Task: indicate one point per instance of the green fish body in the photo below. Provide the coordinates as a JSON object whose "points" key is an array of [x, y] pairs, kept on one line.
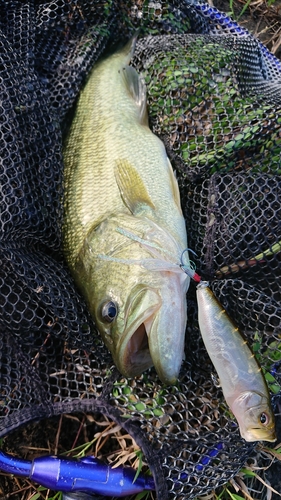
{"points": [[124, 232]]}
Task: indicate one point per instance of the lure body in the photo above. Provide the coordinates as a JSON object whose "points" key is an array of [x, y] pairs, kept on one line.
{"points": [[89, 474], [124, 231], [241, 378]]}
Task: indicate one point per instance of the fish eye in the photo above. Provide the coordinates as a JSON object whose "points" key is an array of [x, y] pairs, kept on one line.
{"points": [[264, 418], [109, 311]]}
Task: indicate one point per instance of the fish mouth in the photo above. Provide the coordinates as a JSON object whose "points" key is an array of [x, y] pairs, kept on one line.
{"points": [[137, 352], [133, 354], [138, 343], [153, 336], [258, 434]]}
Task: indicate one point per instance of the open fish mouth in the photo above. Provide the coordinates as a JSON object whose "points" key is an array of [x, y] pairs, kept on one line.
{"points": [[137, 356], [138, 343], [133, 354], [153, 336]]}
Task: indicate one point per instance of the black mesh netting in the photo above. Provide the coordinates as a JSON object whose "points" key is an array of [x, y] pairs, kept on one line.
{"points": [[214, 99]]}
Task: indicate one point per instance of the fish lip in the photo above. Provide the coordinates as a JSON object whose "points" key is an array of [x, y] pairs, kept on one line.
{"points": [[258, 434], [167, 339], [131, 361], [164, 350], [167, 363]]}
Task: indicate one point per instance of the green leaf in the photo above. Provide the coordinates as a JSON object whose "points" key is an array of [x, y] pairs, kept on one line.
{"points": [[158, 412], [139, 455], [248, 472], [141, 495], [233, 496], [140, 407], [193, 69], [275, 388], [256, 346], [269, 377]]}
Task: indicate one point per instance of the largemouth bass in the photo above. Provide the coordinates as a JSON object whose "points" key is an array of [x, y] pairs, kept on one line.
{"points": [[241, 378], [124, 232]]}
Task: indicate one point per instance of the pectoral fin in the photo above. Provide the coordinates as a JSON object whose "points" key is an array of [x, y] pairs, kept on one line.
{"points": [[132, 188]]}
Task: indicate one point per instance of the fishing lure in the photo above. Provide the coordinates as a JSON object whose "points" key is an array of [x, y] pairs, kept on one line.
{"points": [[89, 475], [242, 381]]}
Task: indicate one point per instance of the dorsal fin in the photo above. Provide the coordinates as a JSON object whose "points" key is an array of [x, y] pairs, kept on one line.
{"points": [[175, 186], [137, 88], [129, 48]]}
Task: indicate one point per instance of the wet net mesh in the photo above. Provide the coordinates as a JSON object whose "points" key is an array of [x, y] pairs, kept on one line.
{"points": [[214, 99]]}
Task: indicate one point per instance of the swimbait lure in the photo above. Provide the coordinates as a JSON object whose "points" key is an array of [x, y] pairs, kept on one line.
{"points": [[241, 378]]}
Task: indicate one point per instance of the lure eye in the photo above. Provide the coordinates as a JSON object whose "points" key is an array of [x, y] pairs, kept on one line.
{"points": [[264, 418], [109, 311]]}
